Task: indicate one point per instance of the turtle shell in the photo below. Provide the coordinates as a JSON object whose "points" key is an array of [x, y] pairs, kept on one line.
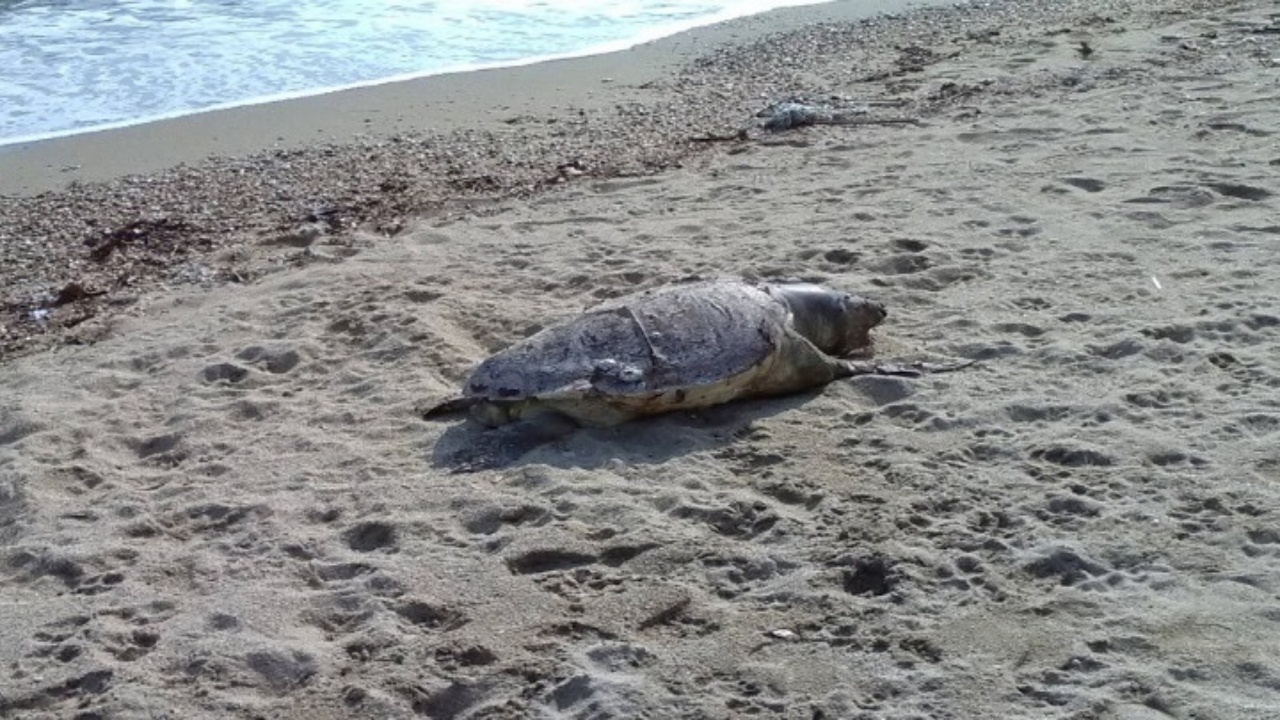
{"points": [[682, 337]]}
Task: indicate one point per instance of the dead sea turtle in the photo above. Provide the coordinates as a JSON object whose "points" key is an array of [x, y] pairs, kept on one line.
{"points": [[677, 348]]}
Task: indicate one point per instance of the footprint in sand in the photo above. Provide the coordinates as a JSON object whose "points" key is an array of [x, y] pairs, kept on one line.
{"points": [[228, 373], [370, 536], [274, 360]]}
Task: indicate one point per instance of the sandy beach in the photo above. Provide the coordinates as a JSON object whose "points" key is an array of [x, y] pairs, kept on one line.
{"points": [[217, 497]]}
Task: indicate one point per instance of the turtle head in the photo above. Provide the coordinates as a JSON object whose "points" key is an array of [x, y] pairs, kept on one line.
{"points": [[837, 323]]}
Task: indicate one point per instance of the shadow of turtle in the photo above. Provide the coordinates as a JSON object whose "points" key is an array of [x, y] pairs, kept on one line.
{"points": [[557, 441]]}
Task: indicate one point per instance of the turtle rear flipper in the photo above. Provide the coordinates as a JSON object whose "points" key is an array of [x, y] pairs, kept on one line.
{"points": [[465, 449], [452, 406]]}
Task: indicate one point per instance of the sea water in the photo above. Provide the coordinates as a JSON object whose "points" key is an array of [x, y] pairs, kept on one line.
{"points": [[73, 65]]}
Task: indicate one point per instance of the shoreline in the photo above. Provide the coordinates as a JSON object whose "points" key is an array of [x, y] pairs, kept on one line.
{"points": [[438, 102], [604, 48]]}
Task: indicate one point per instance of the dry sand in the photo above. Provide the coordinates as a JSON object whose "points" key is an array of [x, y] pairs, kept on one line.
{"points": [[224, 505]]}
